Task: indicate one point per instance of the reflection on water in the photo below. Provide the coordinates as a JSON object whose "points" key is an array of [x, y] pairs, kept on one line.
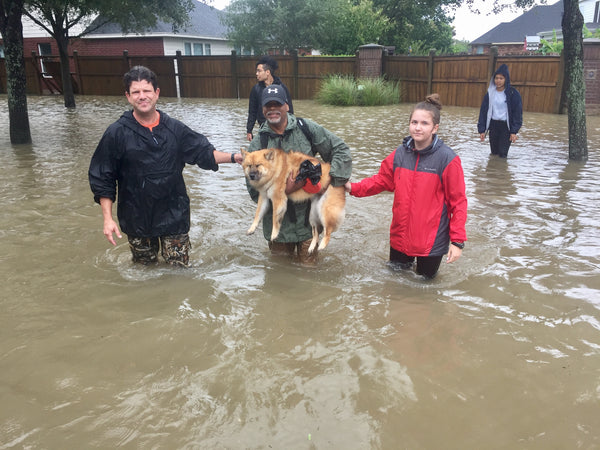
{"points": [[501, 350]]}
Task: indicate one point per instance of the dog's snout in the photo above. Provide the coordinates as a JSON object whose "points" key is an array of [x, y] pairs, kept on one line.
{"points": [[253, 175]]}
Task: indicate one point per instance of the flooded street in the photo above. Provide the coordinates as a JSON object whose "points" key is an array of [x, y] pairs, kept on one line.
{"points": [[243, 350]]}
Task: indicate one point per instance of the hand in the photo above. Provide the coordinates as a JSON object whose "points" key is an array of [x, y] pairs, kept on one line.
{"points": [[111, 227], [292, 186], [238, 158], [513, 138], [249, 136], [348, 187], [482, 136], [453, 253]]}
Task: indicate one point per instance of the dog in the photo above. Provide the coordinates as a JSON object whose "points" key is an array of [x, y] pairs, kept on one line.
{"points": [[267, 171]]}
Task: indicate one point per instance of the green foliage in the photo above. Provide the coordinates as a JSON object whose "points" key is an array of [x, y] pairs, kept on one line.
{"points": [[553, 46], [332, 26], [349, 26], [460, 46], [416, 21], [344, 90], [588, 34], [419, 48]]}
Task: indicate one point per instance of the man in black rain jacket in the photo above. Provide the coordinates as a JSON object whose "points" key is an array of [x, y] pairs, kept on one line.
{"points": [[140, 161]]}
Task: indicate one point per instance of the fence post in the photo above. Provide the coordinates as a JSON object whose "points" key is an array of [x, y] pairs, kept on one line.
{"points": [[178, 75], [430, 71], [126, 61], [235, 89], [559, 94], [492, 61], [40, 87], [78, 77], [370, 57], [295, 72]]}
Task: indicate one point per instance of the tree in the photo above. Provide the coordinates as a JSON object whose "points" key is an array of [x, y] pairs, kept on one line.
{"points": [[11, 29], [346, 27], [332, 26], [572, 27], [418, 23], [265, 24], [60, 17]]}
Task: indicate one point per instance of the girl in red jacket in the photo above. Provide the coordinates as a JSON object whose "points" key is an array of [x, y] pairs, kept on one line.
{"points": [[430, 204]]}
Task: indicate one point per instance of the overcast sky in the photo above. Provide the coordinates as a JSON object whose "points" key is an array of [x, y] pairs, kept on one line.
{"points": [[468, 26]]}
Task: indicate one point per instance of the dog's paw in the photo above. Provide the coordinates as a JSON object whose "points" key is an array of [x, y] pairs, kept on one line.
{"points": [[250, 231]]}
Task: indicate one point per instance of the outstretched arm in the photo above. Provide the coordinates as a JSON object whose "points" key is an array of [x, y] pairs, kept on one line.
{"points": [[223, 157]]}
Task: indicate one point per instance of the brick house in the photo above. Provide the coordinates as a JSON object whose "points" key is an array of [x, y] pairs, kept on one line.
{"points": [[205, 35], [540, 21]]}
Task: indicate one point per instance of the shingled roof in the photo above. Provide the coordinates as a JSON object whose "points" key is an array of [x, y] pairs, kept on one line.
{"points": [[537, 19], [205, 22]]}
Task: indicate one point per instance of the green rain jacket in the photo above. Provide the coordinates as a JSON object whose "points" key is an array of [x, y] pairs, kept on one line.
{"points": [[330, 148]]}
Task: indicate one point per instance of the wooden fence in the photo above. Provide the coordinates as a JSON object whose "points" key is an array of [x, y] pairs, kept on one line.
{"points": [[460, 80]]}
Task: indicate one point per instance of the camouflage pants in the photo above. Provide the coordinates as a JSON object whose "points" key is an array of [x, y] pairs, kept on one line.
{"points": [[298, 250], [174, 249]]}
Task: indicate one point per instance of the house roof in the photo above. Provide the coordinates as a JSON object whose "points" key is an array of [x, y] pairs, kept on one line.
{"points": [[537, 19], [205, 22]]}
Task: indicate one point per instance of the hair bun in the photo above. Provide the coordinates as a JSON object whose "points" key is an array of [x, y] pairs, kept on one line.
{"points": [[434, 99]]}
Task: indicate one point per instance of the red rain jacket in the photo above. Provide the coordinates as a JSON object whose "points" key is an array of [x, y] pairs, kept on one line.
{"points": [[430, 204]]}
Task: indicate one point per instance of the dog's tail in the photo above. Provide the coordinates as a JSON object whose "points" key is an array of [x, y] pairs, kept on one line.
{"points": [[333, 211]]}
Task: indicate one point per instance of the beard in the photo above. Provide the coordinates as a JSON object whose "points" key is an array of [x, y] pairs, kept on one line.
{"points": [[274, 118]]}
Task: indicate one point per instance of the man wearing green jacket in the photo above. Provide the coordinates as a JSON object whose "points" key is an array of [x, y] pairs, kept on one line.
{"points": [[284, 131]]}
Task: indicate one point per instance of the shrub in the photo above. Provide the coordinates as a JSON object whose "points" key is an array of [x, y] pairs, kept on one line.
{"points": [[344, 90]]}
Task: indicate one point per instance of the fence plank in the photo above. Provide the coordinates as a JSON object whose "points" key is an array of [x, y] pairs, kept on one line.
{"points": [[461, 80]]}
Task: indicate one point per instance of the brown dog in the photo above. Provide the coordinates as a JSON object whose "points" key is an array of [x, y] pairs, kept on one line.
{"points": [[267, 171]]}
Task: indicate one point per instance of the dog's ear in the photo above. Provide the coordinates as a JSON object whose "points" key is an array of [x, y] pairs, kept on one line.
{"points": [[243, 152], [270, 154]]}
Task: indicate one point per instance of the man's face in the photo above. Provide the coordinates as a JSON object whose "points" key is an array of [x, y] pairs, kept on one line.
{"points": [[142, 97], [261, 73], [275, 112]]}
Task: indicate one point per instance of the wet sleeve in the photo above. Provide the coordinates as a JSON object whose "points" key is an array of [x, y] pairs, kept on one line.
{"points": [[197, 149], [482, 122], [455, 195], [382, 181], [103, 170], [516, 114], [289, 97], [334, 151], [252, 108]]}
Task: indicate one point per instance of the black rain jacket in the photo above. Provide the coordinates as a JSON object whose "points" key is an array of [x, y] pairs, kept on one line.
{"points": [[146, 169]]}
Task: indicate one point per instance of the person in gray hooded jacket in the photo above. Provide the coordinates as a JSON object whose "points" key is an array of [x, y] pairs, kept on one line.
{"points": [[501, 113]]}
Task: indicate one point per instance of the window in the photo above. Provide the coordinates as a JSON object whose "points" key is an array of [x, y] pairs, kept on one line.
{"points": [[1, 51], [44, 49], [196, 49]]}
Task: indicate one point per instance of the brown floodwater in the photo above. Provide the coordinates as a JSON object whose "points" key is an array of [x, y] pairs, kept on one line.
{"points": [[243, 350]]}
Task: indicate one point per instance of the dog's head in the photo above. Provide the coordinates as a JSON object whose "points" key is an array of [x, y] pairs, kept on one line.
{"points": [[258, 165]]}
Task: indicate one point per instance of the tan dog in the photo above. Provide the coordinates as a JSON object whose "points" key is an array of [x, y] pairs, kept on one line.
{"points": [[267, 171]]}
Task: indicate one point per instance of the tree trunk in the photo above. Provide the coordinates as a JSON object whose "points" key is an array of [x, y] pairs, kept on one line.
{"points": [[65, 71], [12, 35], [572, 28]]}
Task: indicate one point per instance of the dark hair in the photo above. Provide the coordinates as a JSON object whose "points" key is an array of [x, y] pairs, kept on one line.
{"points": [[268, 63], [433, 105], [139, 73]]}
